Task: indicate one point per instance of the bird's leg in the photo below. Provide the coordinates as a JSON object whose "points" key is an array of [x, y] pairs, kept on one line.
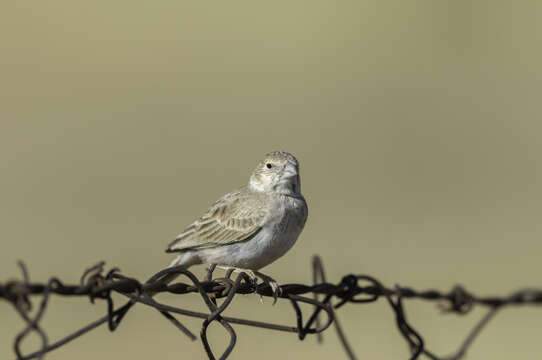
{"points": [[210, 271], [231, 269], [254, 275]]}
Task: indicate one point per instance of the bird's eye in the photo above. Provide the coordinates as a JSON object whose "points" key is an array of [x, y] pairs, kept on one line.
{"points": [[268, 165]]}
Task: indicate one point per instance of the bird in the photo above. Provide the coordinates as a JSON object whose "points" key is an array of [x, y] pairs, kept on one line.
{"points": [[251, 227]]}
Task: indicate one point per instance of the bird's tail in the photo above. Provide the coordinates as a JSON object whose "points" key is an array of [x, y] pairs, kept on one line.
{"points": [[185, 260]]}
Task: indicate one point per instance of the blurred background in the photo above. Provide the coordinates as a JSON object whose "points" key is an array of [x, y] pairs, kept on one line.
{"points": [[417, 126]]}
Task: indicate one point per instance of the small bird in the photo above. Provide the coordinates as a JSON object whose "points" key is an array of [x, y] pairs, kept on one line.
{"points": [[251, 227]]}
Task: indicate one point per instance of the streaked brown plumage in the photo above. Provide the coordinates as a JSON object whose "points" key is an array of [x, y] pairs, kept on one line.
{"points": [[251, 226], [235, 217]]}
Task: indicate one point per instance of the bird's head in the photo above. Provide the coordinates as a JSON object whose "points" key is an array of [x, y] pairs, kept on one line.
{"points": [[277, 172]]}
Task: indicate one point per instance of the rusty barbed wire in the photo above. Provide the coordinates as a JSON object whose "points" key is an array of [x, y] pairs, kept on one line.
{"points": [[95, 283]]}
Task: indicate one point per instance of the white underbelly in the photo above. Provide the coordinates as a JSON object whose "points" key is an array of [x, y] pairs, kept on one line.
{"points": [[253, 254]]}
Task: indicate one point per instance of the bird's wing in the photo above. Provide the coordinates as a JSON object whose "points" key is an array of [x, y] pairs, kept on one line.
{"points": [[237, 216]]}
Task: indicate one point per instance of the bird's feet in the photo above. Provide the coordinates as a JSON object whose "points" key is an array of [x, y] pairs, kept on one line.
{"points": [[277, 291], [254, 275]]}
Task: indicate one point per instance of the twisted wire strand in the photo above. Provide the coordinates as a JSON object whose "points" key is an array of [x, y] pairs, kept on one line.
{"points": [[325, 298]]}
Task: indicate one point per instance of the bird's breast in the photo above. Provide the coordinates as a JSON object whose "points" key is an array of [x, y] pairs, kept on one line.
{"points": [[287, 224]]}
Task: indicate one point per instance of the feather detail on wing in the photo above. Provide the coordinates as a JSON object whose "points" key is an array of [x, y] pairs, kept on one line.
{"points": [[237, 216]]}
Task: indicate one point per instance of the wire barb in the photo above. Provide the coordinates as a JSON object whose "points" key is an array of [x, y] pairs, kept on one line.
{"points": [[324, 297]]}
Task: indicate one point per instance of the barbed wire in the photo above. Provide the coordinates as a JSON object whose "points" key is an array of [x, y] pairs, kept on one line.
{"points": [[326, 298]]}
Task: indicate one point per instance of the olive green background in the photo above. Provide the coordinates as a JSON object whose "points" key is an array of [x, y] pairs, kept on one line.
{"points": [[417, 125]]}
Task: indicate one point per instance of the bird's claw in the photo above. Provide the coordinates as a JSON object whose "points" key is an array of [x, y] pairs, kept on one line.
{"points": [[277, 291], [254, 275]]}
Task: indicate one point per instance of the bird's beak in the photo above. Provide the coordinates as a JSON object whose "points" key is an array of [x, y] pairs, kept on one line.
{"points": [[290, 170]]}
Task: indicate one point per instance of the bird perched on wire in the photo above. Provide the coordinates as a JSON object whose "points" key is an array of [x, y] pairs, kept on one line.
{"points": [[251, 227]]}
